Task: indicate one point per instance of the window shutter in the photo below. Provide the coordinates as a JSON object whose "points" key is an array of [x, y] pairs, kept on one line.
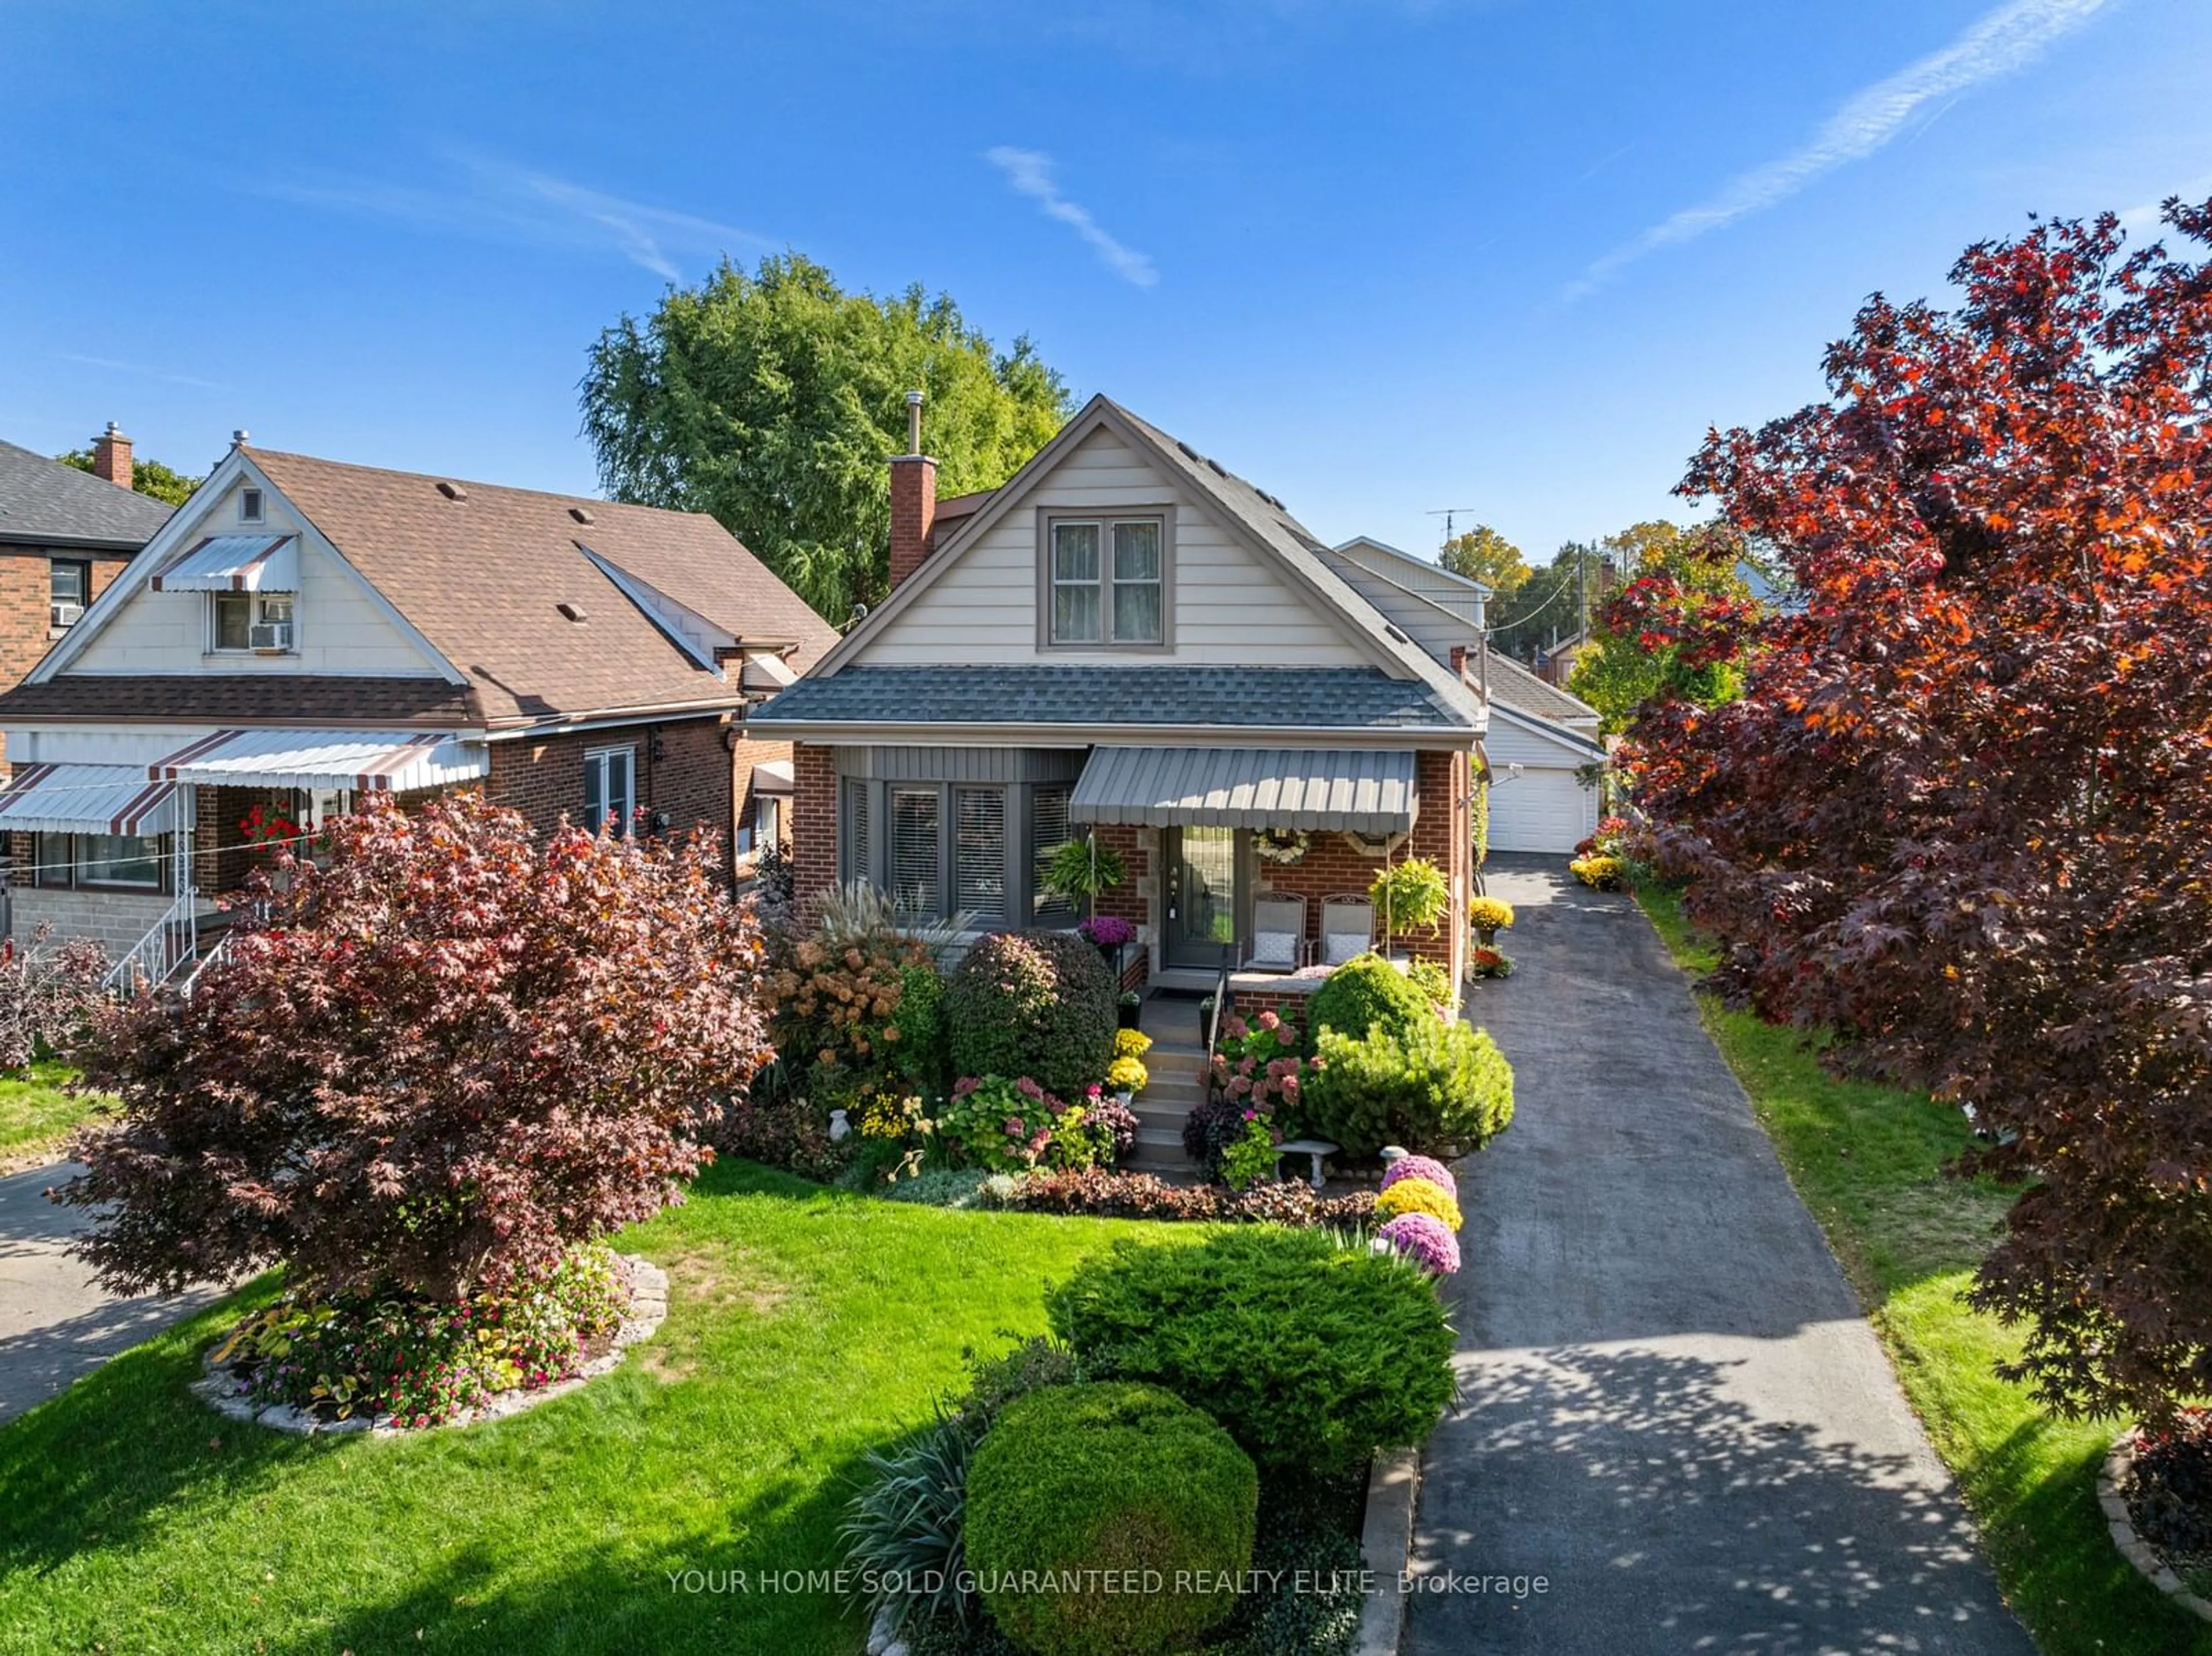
{"points": [[856, 830], [914, 842], [1048, 829], [979, 851]]}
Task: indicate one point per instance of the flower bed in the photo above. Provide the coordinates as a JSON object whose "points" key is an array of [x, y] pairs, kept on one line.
{"points": [[1141, 1196], [389, 1366], [2161, 1483]]}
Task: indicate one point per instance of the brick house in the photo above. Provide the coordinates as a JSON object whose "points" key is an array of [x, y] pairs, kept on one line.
{"points": [[65, 534], [1129, 640], [303, 631]]}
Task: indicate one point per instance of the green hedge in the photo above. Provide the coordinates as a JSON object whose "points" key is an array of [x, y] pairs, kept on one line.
{"points": [[1035, 1003], [1437, 1087], [1315, 1355], [1365, 990], [1110, 1477]]}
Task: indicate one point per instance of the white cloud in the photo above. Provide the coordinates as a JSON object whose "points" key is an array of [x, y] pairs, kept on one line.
{"points": [[1029, 173], [2003, 41], [497, 199]]}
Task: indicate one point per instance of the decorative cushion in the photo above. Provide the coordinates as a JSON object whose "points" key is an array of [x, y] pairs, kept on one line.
{"points": [[1338, 947], [1275, 949]]}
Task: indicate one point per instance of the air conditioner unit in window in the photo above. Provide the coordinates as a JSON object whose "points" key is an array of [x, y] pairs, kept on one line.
{"points": [[66, 615], [269, 636]]}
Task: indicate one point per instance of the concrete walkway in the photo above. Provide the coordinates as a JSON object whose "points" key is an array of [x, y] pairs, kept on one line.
{"points": [[1672, 1408], [54, 1324]]}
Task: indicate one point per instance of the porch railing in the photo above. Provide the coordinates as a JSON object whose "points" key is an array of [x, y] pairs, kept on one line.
{"points": [[168, 943]]}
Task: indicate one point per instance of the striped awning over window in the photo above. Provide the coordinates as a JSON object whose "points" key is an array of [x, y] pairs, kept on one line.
{"points": [[369, 760], [87, 799], [1315, 789], [233, 563]]}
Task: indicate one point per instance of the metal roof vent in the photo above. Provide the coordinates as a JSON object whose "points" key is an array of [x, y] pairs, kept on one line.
{"points": [[1188, 452], [1219, 470], [452, 491], [574, 612], [580, 514]]}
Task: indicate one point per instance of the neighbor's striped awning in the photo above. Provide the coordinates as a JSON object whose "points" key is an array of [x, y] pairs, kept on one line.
{"points": [[233, 563], [1311, 788], [370, 761], [87, 799]]}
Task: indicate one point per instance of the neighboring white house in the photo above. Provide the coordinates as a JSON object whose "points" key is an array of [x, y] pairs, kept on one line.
{"points": [[1541, 740]]}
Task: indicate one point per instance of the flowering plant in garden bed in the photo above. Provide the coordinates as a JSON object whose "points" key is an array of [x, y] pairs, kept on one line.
{"points": [[421, 1362], [2170, 1494], [1488, 962], [1419, 1195], [1108, 930], [1612, 834], [1140, 1196], [1009, 1126], [1419, 1167], [1600, 873], [1250, 1157], [1424, 1239]]}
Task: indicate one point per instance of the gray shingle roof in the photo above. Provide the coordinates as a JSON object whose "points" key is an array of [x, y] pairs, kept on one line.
{"points": [[1302, 697], [45, 503], [1512, 685]]}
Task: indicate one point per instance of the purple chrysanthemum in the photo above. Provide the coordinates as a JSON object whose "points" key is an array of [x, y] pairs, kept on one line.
{"points": [[1419, 1167], [1425, 1240]]}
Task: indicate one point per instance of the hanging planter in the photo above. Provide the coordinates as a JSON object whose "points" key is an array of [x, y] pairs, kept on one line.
{"points": [[1283, 846], [1373, 845]]}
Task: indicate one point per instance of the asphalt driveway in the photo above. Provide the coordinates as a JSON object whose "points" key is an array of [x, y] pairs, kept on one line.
{"points": [[54, 1324], [1672, 1409]]}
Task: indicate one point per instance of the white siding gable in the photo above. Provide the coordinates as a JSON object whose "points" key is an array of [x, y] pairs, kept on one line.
{"points": [[337, 627], [1231, 608]]}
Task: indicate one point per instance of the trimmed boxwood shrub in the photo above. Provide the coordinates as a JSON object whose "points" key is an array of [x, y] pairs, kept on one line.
{"points": [[1367, 989], [1035, 1003], [1438, 1088], [1108, 1477], [1315, 1355]]}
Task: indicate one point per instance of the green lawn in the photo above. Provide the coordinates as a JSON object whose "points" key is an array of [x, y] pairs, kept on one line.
{"points": [[1866, 1161], [806, 1326], [36, 1114]]}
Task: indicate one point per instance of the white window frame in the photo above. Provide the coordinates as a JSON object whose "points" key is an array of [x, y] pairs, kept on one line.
{"points": [[626, 817], [260, 611], [1050, 520]]}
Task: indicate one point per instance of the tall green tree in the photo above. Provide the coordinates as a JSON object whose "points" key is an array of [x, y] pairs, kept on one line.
{"points": [[1483, 555], [1682, 573], [1545, 605], [773, 400], [148, 477]]}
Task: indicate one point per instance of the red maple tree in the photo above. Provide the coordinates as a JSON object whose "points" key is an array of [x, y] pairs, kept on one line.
{"points": [[447, 1054], [1962, 813]]}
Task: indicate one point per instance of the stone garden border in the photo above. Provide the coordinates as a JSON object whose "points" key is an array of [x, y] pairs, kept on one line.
{"points": [[2111, 1480], [648, 1309], [1386, 1540]]}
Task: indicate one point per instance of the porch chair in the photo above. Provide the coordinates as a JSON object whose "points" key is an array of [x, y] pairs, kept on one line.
{"points": [[1347, 928], [1278, 934]]}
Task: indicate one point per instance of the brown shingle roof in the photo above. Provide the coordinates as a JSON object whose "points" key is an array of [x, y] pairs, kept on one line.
{"points": [[481, 576], [242, 699]]}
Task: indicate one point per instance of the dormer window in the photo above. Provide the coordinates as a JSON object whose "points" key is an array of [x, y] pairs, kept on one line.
{"points": [[257, 623], [249, 505], [1105, 582]]}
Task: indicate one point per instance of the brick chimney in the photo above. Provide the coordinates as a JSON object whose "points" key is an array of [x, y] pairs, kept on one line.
{"points": [[914, 498], [111, 455]]}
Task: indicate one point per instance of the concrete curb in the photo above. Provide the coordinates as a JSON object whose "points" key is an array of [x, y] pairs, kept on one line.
{"points": [[2111, 1481], [1386, 1543], [648, 1309]]}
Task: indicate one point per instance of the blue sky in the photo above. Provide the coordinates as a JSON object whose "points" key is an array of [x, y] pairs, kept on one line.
{"points": [[1507, 255]]}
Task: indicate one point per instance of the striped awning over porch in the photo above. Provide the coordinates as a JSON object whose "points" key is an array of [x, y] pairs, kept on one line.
{"points": [[87, 799], [367, 761], [1315, 789]]}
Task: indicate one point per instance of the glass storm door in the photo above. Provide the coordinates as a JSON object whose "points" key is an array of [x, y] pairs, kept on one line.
{"points": [[1201, 897]]}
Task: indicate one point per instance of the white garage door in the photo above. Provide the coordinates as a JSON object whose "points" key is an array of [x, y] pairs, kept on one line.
{"points": [[1540, 810]]}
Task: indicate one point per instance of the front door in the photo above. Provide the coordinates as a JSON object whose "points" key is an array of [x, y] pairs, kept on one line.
{"points": [[1203, 888]]}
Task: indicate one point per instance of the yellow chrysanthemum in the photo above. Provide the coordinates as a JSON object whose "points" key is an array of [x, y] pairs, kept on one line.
{"points": [[1419, 1196]]}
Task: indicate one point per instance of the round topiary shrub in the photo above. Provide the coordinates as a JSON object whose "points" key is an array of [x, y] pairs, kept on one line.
{"points": [[1035, 1004], [1438, 1088], [1313, 1353], [1125, 1480], [1367, 989]]}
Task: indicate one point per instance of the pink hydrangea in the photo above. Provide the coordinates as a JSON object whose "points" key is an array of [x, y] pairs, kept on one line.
{"points": [[1424, 1239], [1419, 1167]]}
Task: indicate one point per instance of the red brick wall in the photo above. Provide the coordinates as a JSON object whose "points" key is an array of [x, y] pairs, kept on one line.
{"points": [[913, 513], [691, 780], [748, 756], [1332, 868], [1128, 900], [26, 592], [813, 819]]}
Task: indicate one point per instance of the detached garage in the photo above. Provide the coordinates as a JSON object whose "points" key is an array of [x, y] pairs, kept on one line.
{"points": [[1545, 807]]}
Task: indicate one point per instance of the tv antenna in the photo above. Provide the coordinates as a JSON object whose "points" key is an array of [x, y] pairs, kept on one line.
{"points": [[1447, 513]]}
